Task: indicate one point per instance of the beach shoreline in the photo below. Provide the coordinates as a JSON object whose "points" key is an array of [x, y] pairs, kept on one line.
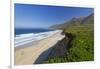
{"points": [[28, 55]]}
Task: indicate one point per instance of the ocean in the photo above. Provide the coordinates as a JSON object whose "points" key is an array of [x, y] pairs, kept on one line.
{"points": [[25, 36], [35, 30]]}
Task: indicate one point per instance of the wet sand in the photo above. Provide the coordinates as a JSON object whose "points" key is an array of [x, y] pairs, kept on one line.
{"points": [[28, 54]]}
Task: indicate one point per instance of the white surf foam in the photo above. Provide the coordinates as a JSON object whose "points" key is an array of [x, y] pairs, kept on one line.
{"points": [[30, 37]]}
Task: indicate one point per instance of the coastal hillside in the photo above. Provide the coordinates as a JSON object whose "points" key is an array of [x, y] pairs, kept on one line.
{"points": [[79, 45], [76, 22]]}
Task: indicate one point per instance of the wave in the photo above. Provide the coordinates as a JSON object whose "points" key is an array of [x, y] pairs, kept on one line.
{"points": [[23, 39]]}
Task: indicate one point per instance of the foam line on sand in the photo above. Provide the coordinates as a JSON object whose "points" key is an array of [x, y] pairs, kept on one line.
{"points": [[29, 55]]}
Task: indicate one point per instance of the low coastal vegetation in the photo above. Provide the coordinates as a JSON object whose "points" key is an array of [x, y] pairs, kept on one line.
{"points": [[81, 48], [80, 44]]}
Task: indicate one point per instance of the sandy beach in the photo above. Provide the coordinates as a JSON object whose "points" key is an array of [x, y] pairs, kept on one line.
{"points": [[27, 55]]}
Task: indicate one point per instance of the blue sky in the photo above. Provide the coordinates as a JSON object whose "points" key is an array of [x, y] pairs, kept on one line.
{"points": [[42, 16]]}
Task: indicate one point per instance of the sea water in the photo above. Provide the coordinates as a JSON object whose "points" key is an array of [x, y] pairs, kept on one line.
{"points": [[25, 36]]}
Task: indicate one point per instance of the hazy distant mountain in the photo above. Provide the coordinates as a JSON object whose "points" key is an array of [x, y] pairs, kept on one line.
{"points": [[89, 19], [75, 22]]}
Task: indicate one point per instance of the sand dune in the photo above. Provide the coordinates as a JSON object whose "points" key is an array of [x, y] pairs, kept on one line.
{"points": [[28, 55]]}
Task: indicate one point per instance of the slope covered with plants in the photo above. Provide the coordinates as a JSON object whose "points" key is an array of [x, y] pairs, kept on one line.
{"points": [[81, 48]]}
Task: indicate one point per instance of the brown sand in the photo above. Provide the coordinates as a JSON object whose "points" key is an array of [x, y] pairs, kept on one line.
{"points": [[28, 55]]}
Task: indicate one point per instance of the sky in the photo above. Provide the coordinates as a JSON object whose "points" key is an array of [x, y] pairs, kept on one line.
{"points": [[44, 16]]}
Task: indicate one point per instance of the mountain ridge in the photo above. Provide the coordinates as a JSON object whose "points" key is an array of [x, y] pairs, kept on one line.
{"points": [[76, 22]]}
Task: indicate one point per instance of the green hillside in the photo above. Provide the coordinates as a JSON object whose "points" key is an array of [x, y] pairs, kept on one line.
{"points": [[81, 48]]}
